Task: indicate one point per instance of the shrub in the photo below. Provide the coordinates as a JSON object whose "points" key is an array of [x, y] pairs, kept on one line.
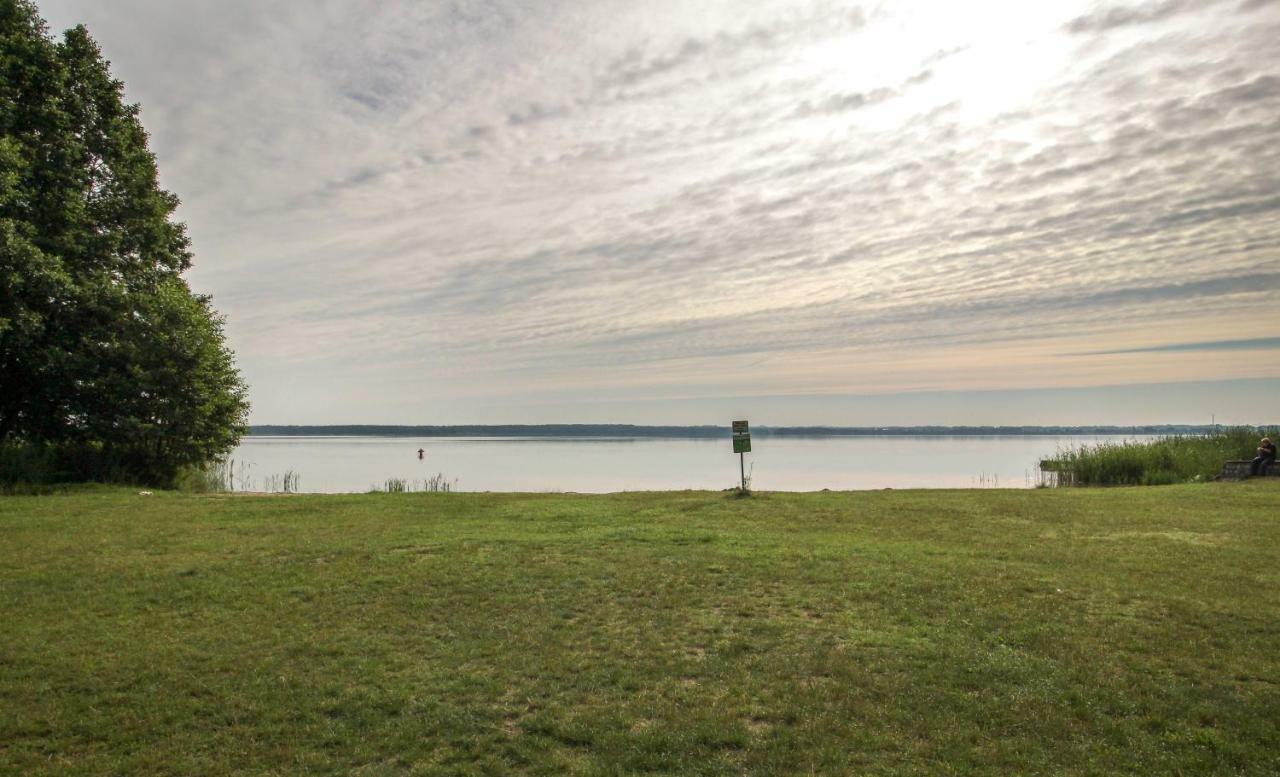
{"points": [[1158, 462]]}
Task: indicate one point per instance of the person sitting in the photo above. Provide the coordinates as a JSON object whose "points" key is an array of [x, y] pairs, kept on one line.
{"points": [[1266, 457]]}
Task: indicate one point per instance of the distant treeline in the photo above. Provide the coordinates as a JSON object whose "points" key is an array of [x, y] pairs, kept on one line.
{"points": [[687, 432]]}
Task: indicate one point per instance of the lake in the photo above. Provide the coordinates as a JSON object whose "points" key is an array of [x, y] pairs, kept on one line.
{"points": [[357, 464]]}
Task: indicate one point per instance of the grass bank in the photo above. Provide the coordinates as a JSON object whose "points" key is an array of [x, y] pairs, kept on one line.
{"points": [[1158, 462], [915, 632]]}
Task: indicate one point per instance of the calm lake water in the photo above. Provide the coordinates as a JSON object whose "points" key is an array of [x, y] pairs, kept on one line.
{"points": [[355, 464]]}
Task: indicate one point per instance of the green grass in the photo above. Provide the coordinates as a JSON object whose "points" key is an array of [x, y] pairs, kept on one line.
{"points": [[1158, 462], [1053, 631]]}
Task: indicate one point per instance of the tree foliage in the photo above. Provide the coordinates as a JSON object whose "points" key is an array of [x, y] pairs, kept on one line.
{"points": [[102, 343]]}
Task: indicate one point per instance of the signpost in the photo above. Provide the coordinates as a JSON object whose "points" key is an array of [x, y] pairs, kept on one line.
{"points": [[741, 446]]}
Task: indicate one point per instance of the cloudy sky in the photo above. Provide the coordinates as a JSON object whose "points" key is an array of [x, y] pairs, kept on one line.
{"points": [[670, 211]]}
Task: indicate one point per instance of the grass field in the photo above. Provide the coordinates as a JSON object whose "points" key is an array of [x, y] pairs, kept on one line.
{"points": [[1059, 631]]}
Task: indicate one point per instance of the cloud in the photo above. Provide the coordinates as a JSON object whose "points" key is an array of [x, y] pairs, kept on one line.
{"points": [[849, 101], [820, 21], [1110, 17], [852, 101], [440, 202], [1251, 344], [535, 112]]}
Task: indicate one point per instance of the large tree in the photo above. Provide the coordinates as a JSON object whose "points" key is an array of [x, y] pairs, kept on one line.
{"points": [[102, 343]]}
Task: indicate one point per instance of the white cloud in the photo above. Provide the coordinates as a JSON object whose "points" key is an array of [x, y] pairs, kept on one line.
{"points": [[401, 204]]}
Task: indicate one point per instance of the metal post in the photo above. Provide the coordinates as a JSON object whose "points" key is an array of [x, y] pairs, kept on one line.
{"points": [[742, 467]]}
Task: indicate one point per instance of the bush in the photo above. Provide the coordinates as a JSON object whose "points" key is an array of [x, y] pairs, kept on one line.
{"points": [[24, 465], [1158, 462]]}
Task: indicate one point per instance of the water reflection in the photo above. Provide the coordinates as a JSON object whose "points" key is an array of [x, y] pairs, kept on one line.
{"points": [[594, 464]]}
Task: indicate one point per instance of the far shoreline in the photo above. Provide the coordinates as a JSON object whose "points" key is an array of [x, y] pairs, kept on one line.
{"points": [[629, 431]]}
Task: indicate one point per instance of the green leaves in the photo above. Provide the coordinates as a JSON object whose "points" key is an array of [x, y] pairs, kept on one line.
{"points": [[101, 341]]}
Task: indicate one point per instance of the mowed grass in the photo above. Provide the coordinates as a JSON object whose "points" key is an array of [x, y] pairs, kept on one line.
{"points": [[915, 632]]}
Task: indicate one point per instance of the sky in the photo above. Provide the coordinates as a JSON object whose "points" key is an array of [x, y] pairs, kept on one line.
{"points": [[881, 213]]}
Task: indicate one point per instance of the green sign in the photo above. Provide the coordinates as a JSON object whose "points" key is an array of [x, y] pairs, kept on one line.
{"points": [[742, 443]]}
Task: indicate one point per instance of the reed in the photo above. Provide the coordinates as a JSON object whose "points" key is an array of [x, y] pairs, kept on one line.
{"points": [[212, 478], [1177, 459], [396, 486], [286, 483], [224, 476], [437, 483]]}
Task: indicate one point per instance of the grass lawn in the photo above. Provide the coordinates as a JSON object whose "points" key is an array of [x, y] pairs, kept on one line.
{"points": [[1102, 631]]}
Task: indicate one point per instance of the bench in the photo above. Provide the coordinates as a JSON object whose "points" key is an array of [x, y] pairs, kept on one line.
{"points": [[1239, 470]]}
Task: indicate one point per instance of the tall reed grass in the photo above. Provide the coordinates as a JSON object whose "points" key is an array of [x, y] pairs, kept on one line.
{"points": [[437, 483], [1157, 462], [230, 476], [282, 484], [216, 477]]}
